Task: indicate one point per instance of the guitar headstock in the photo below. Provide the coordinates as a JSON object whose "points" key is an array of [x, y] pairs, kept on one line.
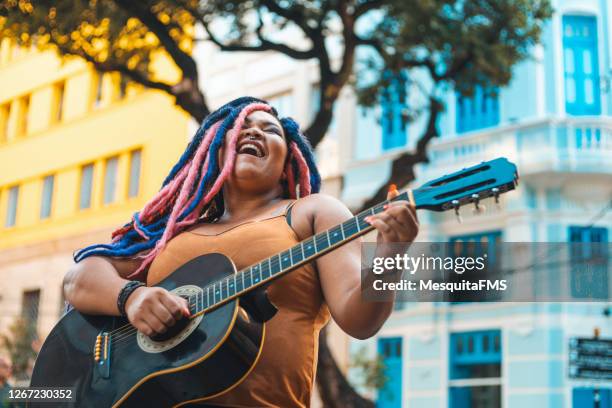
{"points": [[467, 186]]}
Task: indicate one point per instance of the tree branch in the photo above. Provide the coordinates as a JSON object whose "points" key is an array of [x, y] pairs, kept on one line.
{"points": [[334, 390], [402, 168], [134, 75], [265, 45], [293, 15], [183, 60]]}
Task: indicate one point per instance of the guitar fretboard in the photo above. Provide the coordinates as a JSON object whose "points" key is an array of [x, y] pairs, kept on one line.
{"points": [[245, 280]]}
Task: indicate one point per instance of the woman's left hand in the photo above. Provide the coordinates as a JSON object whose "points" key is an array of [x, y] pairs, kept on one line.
{"points": [[398, 223]]}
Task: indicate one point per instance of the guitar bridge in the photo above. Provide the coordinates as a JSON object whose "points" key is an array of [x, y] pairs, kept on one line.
{"points": [[101, 354]]}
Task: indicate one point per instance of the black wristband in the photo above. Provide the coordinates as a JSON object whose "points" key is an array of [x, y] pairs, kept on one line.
{"points": [[125, 293]]}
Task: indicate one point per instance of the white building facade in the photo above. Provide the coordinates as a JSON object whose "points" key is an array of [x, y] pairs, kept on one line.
{"points": [[554, 122]]}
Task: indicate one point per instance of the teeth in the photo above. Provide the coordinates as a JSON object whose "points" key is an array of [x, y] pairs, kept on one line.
{"points": [[251, 146]]}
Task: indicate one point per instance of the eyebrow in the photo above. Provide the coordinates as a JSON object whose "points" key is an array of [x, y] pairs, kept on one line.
{"points": [[265, 123]]}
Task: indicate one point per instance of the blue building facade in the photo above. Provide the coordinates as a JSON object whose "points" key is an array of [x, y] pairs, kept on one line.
{"points": [[554, 121]]}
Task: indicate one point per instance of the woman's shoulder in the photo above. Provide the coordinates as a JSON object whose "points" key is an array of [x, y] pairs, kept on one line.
{"points": [[320, 209], [320, 202]]}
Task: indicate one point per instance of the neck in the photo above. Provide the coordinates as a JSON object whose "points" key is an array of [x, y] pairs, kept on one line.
{"points": [[241, 205]]}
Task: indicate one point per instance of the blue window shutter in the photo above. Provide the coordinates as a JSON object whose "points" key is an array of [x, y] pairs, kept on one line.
{"points": [[393, 103], [586, 282], [581, 65], [390, 350], [479, 111], [584, 397], [473, 355]]}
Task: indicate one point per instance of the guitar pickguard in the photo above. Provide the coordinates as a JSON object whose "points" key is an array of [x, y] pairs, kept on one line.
{"points": [[151, 346]]}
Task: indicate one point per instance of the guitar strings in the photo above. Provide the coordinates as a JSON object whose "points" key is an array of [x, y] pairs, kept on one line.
{"points": [[124, 333]]}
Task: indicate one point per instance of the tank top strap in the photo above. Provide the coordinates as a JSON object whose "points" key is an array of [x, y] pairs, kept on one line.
{"points": [[287, 211]]}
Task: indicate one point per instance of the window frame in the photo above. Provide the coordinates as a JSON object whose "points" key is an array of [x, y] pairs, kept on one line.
{"points": [[15, 211], [48, 189]]}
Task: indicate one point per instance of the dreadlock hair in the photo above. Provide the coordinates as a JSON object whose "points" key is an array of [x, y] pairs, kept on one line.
{"points": [[191, 192]]}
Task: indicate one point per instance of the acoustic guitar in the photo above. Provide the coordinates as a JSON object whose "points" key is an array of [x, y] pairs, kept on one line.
{"points": [[107, 363]]}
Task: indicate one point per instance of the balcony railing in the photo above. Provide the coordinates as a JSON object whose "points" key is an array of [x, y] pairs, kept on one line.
{"points": [[582, 145]]}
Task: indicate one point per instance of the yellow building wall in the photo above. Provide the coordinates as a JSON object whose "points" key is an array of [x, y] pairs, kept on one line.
{"points": [[36, 142]]}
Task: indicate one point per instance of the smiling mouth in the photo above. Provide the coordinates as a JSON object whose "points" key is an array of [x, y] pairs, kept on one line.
{"points": [[251, 149]]}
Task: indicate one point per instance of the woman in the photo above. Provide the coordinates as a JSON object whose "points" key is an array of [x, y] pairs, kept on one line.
{"points": [[235, 190]]}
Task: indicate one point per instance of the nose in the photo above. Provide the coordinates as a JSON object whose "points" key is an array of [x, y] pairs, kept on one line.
{"points": [[251, 133]]}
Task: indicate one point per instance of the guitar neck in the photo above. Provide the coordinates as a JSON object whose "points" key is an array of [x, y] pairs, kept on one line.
{"points": [[254, 276]]}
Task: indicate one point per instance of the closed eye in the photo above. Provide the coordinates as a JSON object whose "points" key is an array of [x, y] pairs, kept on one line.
{"points": [[273, 130]]}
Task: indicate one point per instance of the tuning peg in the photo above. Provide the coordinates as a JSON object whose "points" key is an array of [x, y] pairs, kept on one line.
{"points": [[456, 205], [496, 193], [478, 209]]}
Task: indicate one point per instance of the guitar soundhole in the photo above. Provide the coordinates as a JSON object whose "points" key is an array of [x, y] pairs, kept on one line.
{"points": [[172, 331], [175, 334]]}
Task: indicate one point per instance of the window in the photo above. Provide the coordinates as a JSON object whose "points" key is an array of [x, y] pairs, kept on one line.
{"points": [[589, 262], [98, 89], [315, 103], [473, 245], [475, 369], [22, 120], [59, 102], [583, 397], [29, 311], [393, 105], [4, 119], [481, 110], [86, 186], [47, 197], [11, 212], [390, 350], [110, 180], [283, 104], [581, 65], [123, 84], [134, 185]]}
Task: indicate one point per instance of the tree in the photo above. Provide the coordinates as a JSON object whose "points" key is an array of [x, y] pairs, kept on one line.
{"points": [[19, 343], [429, 45]]}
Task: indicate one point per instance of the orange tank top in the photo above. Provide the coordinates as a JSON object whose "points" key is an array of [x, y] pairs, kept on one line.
{"points": [[284, 374]]}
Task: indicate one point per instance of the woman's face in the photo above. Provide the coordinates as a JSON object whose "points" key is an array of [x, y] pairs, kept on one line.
{"points": [[261, 150]]}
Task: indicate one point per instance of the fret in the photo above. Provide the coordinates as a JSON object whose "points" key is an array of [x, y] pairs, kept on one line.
{"points": [[335, 234], [199, 301], [322, 241], [277, 266], [232, 286], [208, 296], [256, 271], [285, 259], [243, 286], [297, 255], [350, 227], [250, 274], [265, 269], [239, 282], [308, 247], [342, 231], [216, 293], [361, 223]]}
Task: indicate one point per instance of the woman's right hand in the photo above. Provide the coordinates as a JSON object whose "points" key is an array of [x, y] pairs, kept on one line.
{"points": [[152, 310]]}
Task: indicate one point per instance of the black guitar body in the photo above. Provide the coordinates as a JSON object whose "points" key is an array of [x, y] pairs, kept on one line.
{"points": [[214, 357]]}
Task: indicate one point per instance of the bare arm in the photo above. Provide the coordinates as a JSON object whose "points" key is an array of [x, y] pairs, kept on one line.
{"points": [[93, 285], [340, 270]]}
